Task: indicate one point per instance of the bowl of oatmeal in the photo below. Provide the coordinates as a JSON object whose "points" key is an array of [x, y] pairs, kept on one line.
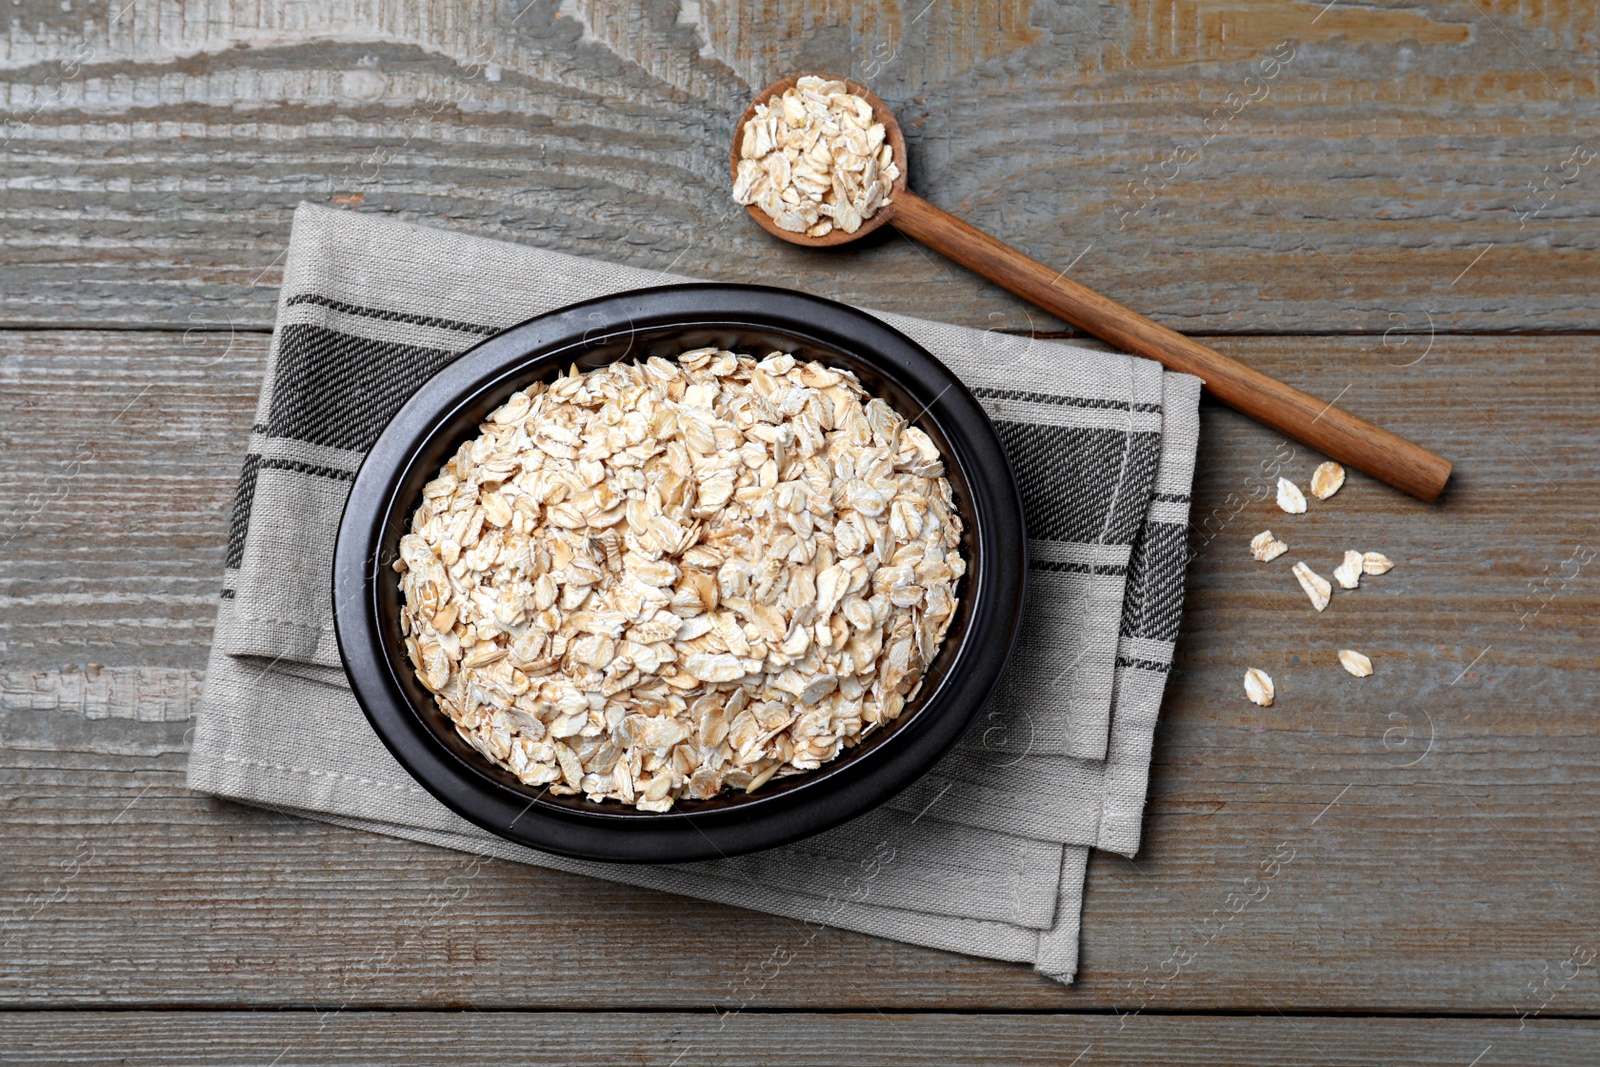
{"points": [[679, 573]]}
